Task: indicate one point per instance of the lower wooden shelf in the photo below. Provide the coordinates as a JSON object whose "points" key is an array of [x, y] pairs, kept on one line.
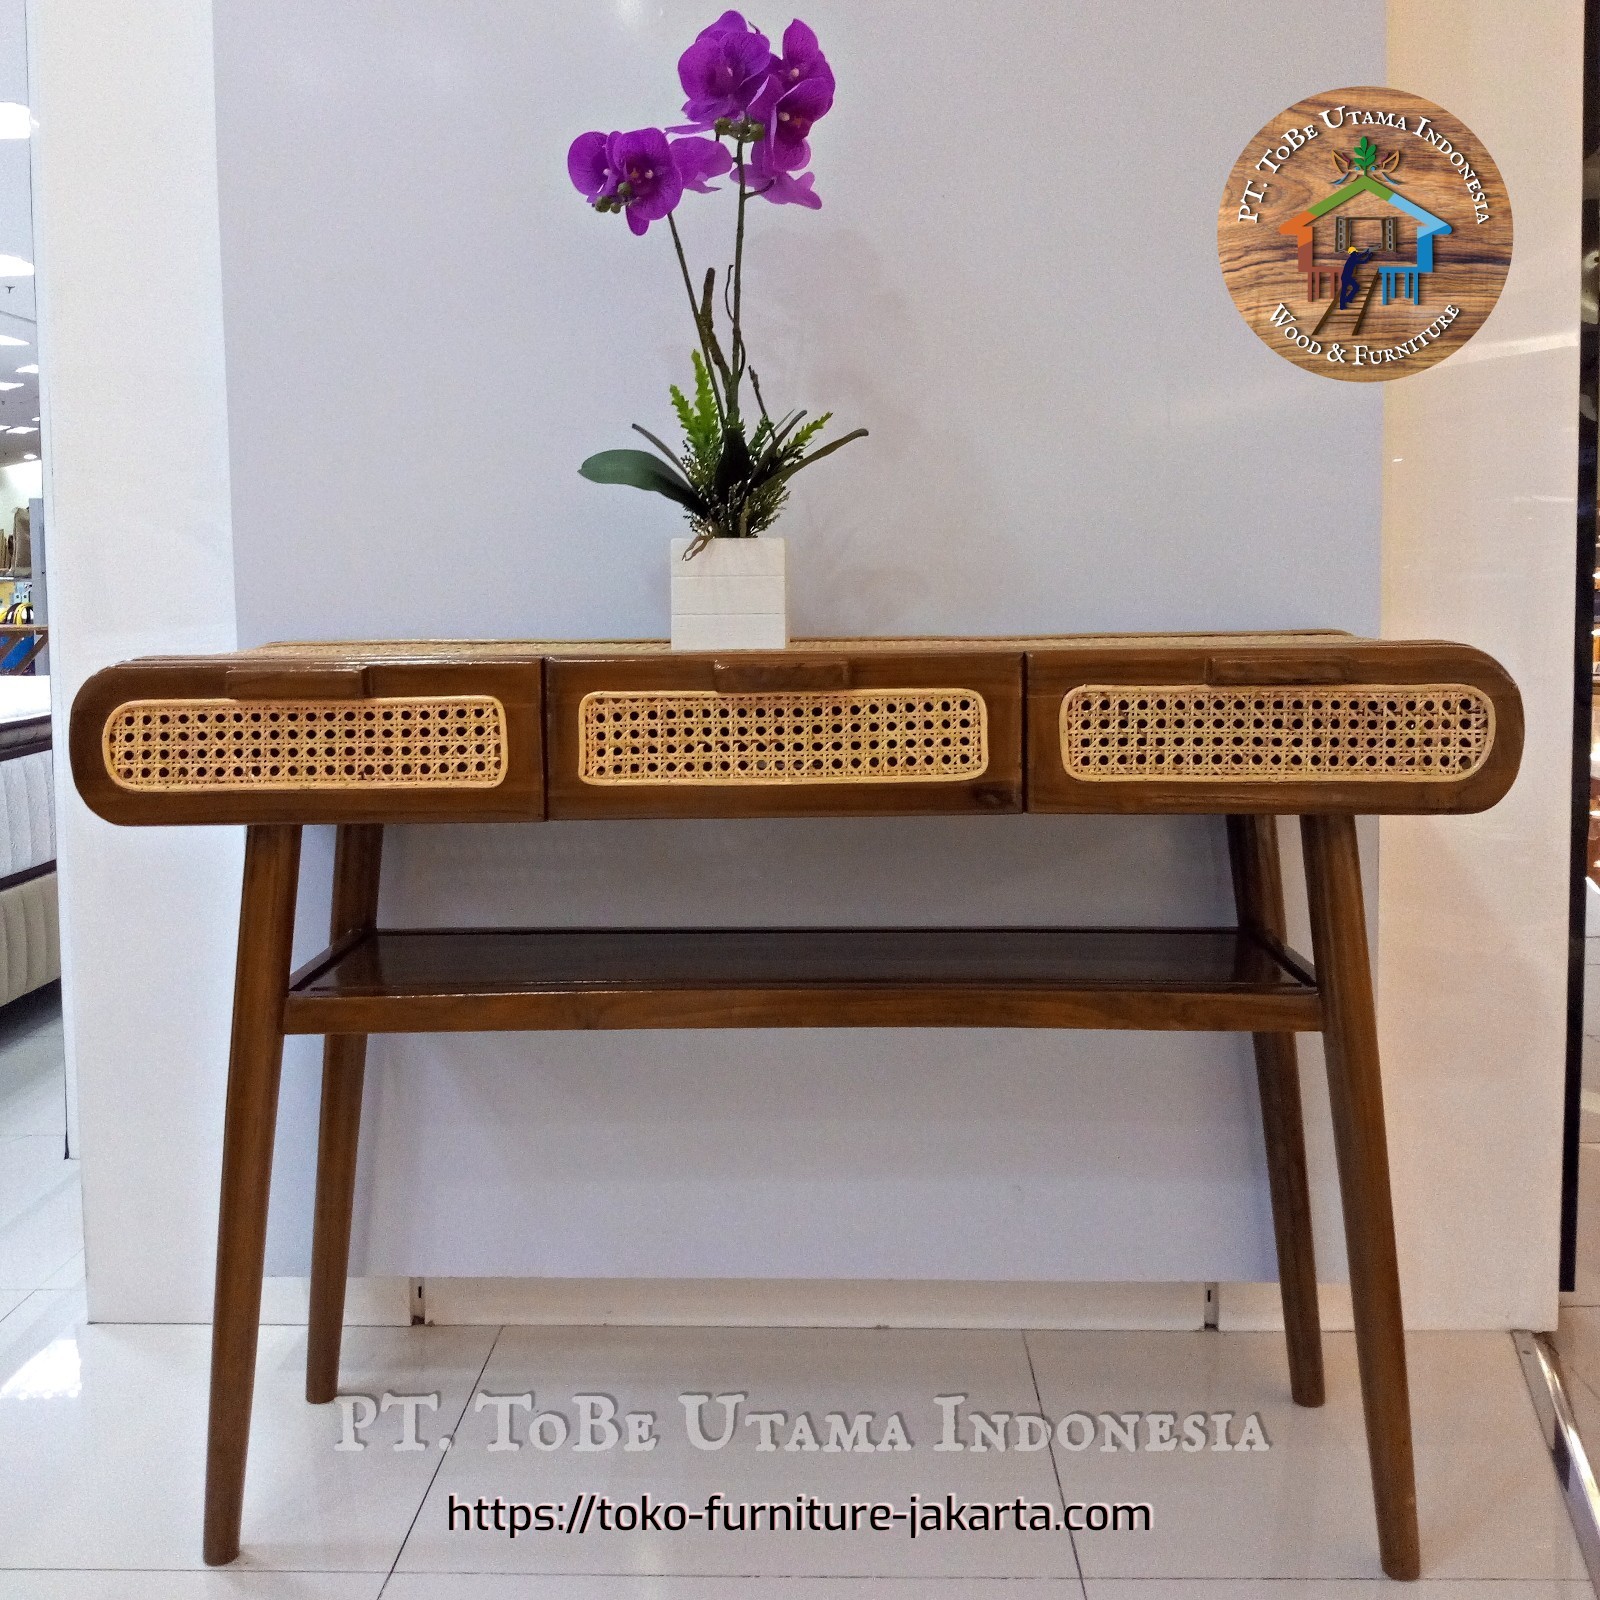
{"points": [[491, 980]]}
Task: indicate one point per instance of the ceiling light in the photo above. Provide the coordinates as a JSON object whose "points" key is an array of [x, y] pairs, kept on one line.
{"points": [[15, 121], [15, 267], [10, 385], [6, 339], [30, 458], [22, 430], [32, 366]]}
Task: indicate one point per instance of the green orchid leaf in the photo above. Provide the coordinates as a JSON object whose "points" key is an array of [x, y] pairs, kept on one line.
{"points": [[670, 454], [792, 467], [638, 469], [793, 421], [733, 465], [770, 444]]}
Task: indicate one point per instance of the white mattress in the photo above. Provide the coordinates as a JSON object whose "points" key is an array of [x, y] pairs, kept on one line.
{"points": [[23, 697], [27, 812], [30, 937], [30, 940]]}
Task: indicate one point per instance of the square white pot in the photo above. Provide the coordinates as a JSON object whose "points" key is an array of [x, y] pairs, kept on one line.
{"points": [[732, 595]]}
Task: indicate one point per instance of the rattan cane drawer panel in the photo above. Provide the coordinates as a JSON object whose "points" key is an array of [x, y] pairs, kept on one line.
{"points": [[252, 738], [228, 746], [1358, 733], [776, 734], [703, 738]]}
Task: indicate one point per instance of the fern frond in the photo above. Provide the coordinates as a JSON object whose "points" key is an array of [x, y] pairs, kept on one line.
{"points": [[680, 404], [705, 402], [803, 435]]}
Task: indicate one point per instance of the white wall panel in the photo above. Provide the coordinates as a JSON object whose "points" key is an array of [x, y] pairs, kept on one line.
{"points": [[1480, 528], [141, 561], [1013, 283]]}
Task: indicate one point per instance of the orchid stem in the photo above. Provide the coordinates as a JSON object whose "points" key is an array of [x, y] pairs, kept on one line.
{"points": [[738, 282], [694, 311]]}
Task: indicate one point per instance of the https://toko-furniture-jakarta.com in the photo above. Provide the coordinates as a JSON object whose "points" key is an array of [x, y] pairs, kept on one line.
{"points": [[1323, 726]]}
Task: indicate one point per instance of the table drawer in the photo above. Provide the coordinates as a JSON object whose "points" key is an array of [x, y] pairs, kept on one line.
{"points": [[791, 734], [242, 741], [1348, 726]]}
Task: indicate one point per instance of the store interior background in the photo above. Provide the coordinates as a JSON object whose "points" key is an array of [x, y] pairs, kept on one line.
{"points": [[1072, 430], [21, 476]]}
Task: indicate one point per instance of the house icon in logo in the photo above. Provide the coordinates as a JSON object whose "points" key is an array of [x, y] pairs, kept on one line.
{"points": [[1377, 235], [1361, 181]]}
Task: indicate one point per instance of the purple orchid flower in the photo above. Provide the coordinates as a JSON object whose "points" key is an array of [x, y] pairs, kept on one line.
{"points": [[643, 158], [793, 189], [632, 172], [699, 160], [760, 108], [589, 167], [788, 115], [802, 58], [723, 71], [782, 188]]}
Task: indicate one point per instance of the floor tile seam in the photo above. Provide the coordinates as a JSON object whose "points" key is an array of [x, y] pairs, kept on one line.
{"points": [[27, 1295], [57, 1186], [1572, 1373], [46, 1285], [438, 1467], [32, 1214], [1055, 1464], [39, 1287], [804, 1577], [236, 1571]]}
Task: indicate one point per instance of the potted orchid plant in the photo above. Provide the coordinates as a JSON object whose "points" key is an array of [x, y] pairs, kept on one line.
{"points": [[750, 113]]}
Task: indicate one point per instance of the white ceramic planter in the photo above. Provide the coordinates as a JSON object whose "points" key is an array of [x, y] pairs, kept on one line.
{"points": [[731, 596]]}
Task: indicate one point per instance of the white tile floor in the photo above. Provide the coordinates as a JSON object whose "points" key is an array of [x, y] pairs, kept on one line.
{"points": [[102, 1438]]}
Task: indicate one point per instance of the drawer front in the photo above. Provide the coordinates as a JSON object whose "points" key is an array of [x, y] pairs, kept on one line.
{"points": [[1360, 727], [220, 742], [789, 735], [222, 746]]}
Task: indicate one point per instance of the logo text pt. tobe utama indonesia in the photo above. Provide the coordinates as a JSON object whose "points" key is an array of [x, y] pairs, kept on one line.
{"points": [[1364, 234], [590, 1423]]}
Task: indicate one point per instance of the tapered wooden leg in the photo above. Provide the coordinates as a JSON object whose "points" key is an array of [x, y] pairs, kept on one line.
{"points": [[266, 932], [1350, 1036], [356, 867], [1258, 892]]}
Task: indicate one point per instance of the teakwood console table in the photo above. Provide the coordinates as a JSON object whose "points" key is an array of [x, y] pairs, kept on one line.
{"points": [[1323, 726]]}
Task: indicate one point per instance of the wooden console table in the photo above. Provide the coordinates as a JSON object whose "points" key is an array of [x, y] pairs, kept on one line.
{"points": [[1323, 726]]}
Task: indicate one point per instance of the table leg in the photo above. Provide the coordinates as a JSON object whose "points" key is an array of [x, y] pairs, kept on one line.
{"points": [[1350, 1038], [357, 863], [1258, 893], [266, 932]]}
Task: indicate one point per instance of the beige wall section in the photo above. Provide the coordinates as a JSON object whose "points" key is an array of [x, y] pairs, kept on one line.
{"points": [[1478, 539]]}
